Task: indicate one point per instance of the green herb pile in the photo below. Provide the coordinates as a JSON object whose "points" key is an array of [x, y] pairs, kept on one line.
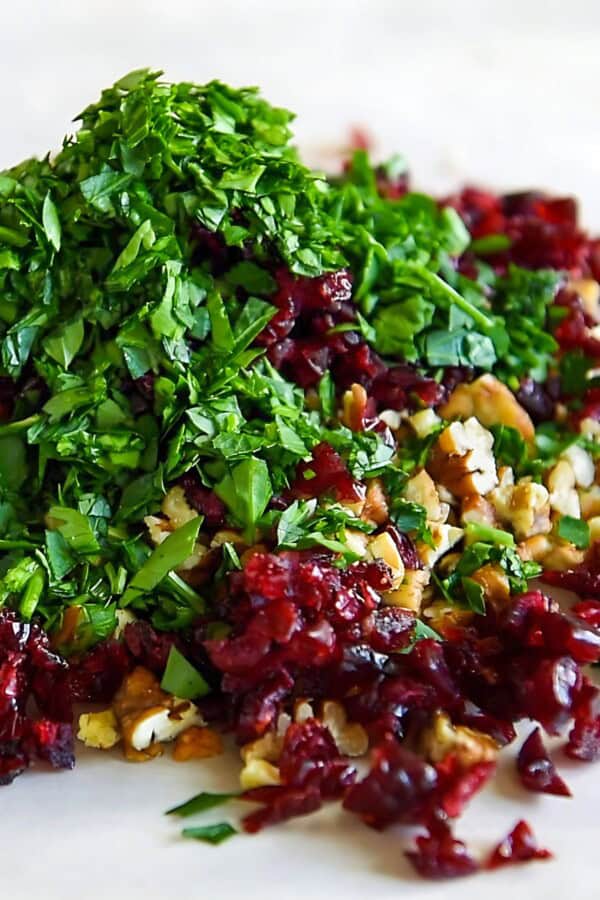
{"points": [[101, 285]]}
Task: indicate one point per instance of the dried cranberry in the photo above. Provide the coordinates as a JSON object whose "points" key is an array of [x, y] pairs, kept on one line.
{"points": [[518, 846], [148, 647], [204, 500], [584, 737], [536, 770], [283, 803], [534, 398], [438, 854], [326, 473], [53, 742]]}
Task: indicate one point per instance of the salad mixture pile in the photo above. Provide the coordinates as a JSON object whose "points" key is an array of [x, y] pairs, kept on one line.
{"points": [[279, 456]]}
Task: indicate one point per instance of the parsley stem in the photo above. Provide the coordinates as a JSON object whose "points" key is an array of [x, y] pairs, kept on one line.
{"points": [[478, 315], [20, 425]]}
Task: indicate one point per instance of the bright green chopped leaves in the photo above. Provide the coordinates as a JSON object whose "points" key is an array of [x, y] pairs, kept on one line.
{"points": [[576, 531], [200, 803], [182, 679], [166, 557], [210, 834]]}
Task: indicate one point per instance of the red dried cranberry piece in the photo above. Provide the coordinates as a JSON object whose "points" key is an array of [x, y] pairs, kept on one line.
{"points": [[389, 629], [397, 789], [406, 547], [438, 854], [584, 737], [13, 761], [326, 473], [283, 803], [536, 770], [457, 785], [518, 846], [53, 742], [261, 707], [310, 759], [148, 647], [99, 674], [589, 611], [583, 579], [535, 400], [204, 501], [548, 691]]}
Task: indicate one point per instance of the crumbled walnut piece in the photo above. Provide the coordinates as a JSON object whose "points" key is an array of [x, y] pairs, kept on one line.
{"points": [[421, 489], [409, 594], [550, 552], [594, 526], [424, 422], [524, 506], [197, 743], [176, 508], [561, 485], [582, 464], [462, 459], [589, 291], [354, 405], [444, 538], [490, 401], [99, 730], [259, 773], [494, 581], [148, 715], [442, 615], [392, 418], [350, 737], [383, 546], [268, 747], [227, 536], [589, 501], [375, 509], [477, 509], [467, 745]]}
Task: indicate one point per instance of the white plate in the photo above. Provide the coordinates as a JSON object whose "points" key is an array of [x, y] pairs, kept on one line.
{"points": [[99, 833]]}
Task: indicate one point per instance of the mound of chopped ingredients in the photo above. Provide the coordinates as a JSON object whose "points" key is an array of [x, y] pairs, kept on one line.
{"points": [[279, 456]]}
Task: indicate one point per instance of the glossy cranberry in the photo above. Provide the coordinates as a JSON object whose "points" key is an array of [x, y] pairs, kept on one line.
{"points": [[588, 611], [53, 743], [310, 759], [407, 548], [326, 474], [397, 789], [390, 629], [282, 804], [204, 501], [438, 854], [584, 737], [536, 770], [147, 646], [518, 846], [534, 398]]}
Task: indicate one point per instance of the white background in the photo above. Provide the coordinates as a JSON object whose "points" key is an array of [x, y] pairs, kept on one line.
{"points": [[502, 93], [499, 92]]}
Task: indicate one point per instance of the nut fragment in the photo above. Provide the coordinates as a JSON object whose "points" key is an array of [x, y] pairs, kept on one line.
{"points": [[582, 465], [589, 291], [268, 747], [494, 581], [99, 730], [424, 422], [524, 506], [462, 459], [176, 508], [561, 485], [354, 405], [477, 509], [375, 508], [259, 773], [421, 489], [409, 594], [467, 745], [550, 552], [491, 402], [589, 501], [383, 546], [444, 537], [147, 715], [350, 737], [197, 743]]}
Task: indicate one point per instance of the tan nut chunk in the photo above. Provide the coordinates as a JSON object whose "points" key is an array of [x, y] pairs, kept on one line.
{"points": [[424, 422], [563, 556], [444, 538], [462, 459], [392, 418], [99, 730], [376, 507], [582, 464], [227, 536], [354, 405], [259, 773], [466, 744], [350, 738], [176, 508], [147, 715], [590, 428], [494, 581], [159, 529], [357, 541], [589, 291], [197, 743], [589, 502], [491, 402], [303, 711], [268, 747], [383, 546], [421, 489], [442, 615], [409, 594], [594, 526], [561, 485], [535, 548], [478, 510], [524, 506]]}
